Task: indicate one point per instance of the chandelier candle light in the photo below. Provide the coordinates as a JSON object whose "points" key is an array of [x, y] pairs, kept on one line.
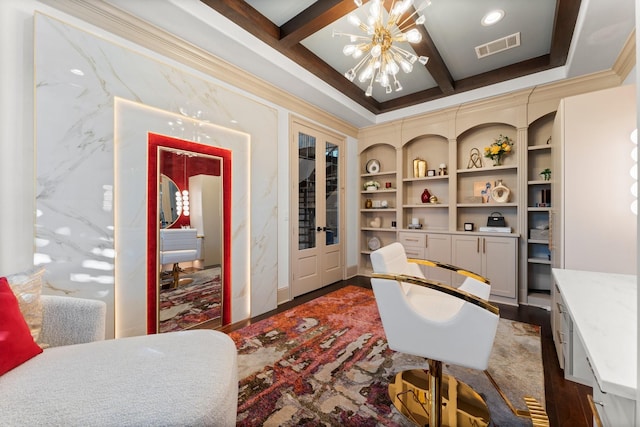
{"points": [[380, 59]]}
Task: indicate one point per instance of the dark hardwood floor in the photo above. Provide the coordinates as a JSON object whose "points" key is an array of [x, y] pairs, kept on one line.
{"points": [[566, 402]]}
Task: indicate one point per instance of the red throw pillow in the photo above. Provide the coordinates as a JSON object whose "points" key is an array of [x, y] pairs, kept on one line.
{"points": [[16, 343]]}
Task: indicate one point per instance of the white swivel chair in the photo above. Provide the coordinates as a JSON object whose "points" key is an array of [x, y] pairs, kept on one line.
{"points": [[441, 323], [178, 245], [395, 261]]}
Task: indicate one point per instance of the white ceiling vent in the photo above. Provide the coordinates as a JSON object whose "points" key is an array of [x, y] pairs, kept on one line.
{"points": [[499, 45]]}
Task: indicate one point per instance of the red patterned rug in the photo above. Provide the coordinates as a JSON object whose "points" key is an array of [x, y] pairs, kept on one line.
{"points": [[326, 363], [192, 304]]}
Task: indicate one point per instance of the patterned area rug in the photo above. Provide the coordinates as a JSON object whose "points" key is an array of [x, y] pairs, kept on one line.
{"points": [[327, 363], [192, 304]]}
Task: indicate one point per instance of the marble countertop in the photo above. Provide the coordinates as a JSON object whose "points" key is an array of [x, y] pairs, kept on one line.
{"points": [[603, 308]]}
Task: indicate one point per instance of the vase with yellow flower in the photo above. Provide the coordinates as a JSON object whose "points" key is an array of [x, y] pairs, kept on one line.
{"points": [[498, 149]]}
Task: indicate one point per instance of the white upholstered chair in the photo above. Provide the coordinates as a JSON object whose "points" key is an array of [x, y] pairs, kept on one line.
{"points": [[441, 323], [393, 259], [178, 245]]}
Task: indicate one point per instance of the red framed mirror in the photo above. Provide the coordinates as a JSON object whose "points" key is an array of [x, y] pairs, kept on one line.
{"points": [[187, 165]]}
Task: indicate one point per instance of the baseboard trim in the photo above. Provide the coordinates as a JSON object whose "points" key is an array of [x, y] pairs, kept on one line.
{"points": [[283, 295]]}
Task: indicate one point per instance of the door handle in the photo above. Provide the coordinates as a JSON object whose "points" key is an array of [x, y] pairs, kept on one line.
{"points": [[321, 228]]}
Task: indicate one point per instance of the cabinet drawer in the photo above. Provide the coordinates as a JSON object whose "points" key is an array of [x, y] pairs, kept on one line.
{"points": [[613, 410], [413, 240], [417, 253]]}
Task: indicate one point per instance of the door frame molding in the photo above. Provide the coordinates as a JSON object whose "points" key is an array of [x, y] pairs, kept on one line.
{"points": [[293, 166]]}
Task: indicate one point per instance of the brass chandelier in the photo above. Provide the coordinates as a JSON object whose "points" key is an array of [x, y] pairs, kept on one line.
{"points": [[380, 58]]}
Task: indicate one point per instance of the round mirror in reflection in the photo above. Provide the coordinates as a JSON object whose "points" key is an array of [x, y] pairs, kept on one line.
{"points": [[168, 210]]}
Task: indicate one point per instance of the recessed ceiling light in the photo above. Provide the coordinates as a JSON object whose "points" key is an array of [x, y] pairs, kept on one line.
{"points": [[77, 71], [492, 17]]}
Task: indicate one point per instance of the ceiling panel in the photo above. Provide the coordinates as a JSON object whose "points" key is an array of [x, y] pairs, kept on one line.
{"points": [[288, 43], [329, 49]]}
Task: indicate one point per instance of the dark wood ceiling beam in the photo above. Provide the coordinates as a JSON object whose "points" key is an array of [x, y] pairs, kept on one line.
{"points": [[436, 66], [308, 60], [248, 18], [513, 71], [287, 39], [252, 21], [314, 18], [499, 75], [563, 27]]}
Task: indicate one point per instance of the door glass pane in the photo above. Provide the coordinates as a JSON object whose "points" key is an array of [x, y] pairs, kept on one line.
{"points": [[332, 204], [306, 191]]}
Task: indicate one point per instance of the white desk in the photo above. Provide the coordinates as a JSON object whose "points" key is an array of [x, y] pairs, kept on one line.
{"points": [[603, 311]]}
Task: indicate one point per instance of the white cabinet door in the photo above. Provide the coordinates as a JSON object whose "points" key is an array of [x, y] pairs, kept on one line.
{"points": [[492, 257], [466, 254], [499, 265], [438, 248], [557, 309]]}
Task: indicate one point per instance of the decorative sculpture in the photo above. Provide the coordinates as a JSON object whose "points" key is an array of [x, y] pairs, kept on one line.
{"points": [[475, 160]]}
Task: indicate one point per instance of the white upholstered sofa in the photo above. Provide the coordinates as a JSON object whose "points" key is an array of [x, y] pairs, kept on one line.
{"points": [[184, 378]]}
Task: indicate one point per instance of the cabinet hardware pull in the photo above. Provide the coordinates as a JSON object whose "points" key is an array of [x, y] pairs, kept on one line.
{"points": [[426, 240], [484, 245], [594, 376], [596, 415], [560, 310], [478, 245]]}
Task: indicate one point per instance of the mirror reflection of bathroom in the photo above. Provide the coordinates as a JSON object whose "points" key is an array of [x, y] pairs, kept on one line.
{"points": [[190, 245]]}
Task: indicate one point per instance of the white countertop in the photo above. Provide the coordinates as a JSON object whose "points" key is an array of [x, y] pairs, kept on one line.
{"points": [[603, 308]]}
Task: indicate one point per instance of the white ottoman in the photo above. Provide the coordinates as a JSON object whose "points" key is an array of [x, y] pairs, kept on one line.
{"points": [[184, 378]]}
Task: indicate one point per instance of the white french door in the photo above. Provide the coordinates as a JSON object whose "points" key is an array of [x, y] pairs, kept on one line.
{"points": [[317, 209]]}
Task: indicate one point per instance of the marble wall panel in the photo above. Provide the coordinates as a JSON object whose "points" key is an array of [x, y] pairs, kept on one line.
{"points": [[133, 123], [77, 76]]}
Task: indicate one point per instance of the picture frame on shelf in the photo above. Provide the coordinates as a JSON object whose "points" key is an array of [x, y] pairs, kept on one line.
{"points": [[431, 172], [482, 189]]}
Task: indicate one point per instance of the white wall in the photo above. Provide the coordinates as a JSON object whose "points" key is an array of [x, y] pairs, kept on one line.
{"points": [[16, 136], [17, 145]]}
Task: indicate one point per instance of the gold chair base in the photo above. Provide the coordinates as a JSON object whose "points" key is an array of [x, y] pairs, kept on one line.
{"points": [[177, 281], [410, 395]]}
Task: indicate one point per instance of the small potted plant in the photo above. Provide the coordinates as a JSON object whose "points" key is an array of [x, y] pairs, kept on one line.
{"points": [[546, 174], [371, 185]]}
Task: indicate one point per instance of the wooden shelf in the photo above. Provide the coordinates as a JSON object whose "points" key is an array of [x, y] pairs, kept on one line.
{"points": [[502, 168], [486, 205], [427, 205], [382, 190], [538, 241], [426, 178], [539, 261], [371, 175], [539, 147]]}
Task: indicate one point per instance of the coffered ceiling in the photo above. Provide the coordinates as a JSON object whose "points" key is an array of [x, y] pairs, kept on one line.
{"points": [[302, 31], [289, 44]]}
